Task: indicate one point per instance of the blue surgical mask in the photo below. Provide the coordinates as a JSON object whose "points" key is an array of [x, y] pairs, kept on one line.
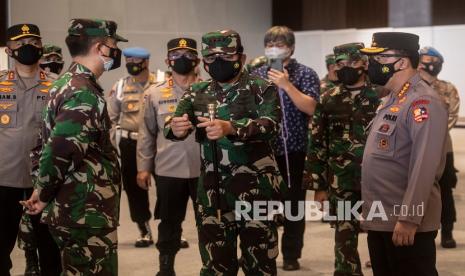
{"points": [[107, 64]]}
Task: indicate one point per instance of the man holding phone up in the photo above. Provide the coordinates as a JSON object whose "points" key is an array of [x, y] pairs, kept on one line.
{"points": [[299, 88]]}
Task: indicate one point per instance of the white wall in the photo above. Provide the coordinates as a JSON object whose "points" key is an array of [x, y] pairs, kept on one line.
{"points": [[150, 23], [311, 47]]}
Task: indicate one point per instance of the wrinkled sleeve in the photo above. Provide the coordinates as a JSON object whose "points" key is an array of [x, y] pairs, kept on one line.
{"points": [[75, 126], [185, 106], [114, 111], [316, 161], [147, 140], [266, 125]]}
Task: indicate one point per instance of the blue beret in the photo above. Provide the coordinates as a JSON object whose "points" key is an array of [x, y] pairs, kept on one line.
{"points": [[136, 52], [430, 51]]}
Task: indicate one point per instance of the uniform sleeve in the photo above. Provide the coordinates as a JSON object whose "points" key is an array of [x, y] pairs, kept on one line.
{"points": [[75, 126], [316, 162], [427, 124], [114, 111], [146, 142], [266, 125], [185, 106], [454, 106]]}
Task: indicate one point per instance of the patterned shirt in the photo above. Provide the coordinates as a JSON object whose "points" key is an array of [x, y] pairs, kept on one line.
{"points": [[295, 122]]}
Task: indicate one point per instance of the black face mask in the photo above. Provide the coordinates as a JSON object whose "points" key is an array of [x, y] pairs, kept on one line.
{"points": [[222, 70], [432, 68], [135, 69], [349, 75], [381, 73], [115, 54], [53, 66], [27, 54], [183, 65]]}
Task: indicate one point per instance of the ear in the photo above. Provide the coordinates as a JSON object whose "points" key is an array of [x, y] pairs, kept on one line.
{"points": [[8, 52], [167, 62], [365, 65]]}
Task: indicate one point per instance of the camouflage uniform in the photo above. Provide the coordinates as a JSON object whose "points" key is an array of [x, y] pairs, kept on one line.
{"points": [[79, 175], [256, 63], [335, 154], [325, 83], [247, 167]]}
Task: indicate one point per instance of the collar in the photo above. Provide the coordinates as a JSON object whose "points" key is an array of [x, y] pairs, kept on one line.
{"points": [[79, 69]]}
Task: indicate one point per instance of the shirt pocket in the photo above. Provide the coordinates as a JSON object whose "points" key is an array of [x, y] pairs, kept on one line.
{"points": [[385, 139], [8, 115], [165, 111], [131, 103], [41, 102]]}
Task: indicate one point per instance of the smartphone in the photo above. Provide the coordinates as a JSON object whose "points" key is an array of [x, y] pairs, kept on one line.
{"points": [[277, 64]]}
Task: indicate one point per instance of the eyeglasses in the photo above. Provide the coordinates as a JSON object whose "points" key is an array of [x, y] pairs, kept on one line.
{"points": [[212, 58], [175, 55]]}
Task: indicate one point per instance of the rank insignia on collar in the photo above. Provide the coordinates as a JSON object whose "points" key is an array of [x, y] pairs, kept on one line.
{"points": [[404, 90]]}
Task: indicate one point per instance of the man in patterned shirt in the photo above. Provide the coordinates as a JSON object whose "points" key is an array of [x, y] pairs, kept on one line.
{"points": [[299, 88]]}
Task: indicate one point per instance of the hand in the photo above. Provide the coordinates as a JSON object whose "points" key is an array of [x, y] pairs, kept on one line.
{"points": [[404, 233], [180, 126], [144, 179], [215, 129], [280, 79], [33, 205], [320, 196]]}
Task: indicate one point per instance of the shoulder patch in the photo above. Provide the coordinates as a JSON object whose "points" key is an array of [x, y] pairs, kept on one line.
{"points": [[420, 114]]}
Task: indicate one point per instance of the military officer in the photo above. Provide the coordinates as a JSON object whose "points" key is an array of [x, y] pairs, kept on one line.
{"points": [[430, 66], [335, 152], [23, 95], [403, 161], [124, 105], [176, 165], [79, 177], [330, 80], [52, 59], [247, 119]]}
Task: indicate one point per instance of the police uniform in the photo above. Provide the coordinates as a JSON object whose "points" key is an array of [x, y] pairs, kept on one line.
{"points": [[402, 163], [124, 106], [247, 169], [176, 164], [335, 153]]}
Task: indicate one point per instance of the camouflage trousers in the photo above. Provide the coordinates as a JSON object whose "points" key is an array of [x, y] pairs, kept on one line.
{"points": [[87, 251], [218, 245], [347, 259], [26, 237]]}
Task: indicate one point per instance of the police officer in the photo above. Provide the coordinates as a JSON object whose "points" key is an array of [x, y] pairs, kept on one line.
{"points": [[124, 105], [52, 59], [247, 119], [403, 160], [430, 66], [336, 148], [176, 165], [79, 177], [23, 95], [330, 80]]}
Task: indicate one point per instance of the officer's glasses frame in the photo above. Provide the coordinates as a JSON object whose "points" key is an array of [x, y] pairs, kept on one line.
{"points": [[172, 55], [226, 57]]}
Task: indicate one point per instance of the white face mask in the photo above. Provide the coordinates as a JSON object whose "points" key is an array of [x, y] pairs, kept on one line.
{"points": [[277, 52], [107, 64]]}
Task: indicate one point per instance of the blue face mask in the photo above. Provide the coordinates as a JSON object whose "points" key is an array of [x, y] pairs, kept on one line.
{"points": [[115, 59], [107, 64]]}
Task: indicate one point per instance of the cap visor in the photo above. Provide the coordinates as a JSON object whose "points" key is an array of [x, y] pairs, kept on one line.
{"points": [[373, 50], [23, 36], [120, 38], [53, 53], [188, 48]]}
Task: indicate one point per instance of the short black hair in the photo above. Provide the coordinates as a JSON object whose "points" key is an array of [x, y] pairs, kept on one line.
{"points": [[413, 56], [80, 45], [280, 33]]}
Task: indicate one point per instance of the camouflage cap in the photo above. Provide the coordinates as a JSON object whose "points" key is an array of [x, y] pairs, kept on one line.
{"points": [[94, 27], [50, 49], [221, 42], [349, 51], [330, 59]]}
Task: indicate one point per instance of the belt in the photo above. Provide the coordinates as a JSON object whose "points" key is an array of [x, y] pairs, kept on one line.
{"points": [[129, 134]]}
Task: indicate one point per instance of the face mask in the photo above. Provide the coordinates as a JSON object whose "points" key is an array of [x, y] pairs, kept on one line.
{"points": [[115, 59], [183, 65], [223, 70], [134, 68], [276, 53], [349, 75], [27, 54], [432, 68], [381, 73], [53, 66]]}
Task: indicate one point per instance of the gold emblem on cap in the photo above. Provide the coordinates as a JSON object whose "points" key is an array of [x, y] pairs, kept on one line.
{"points": [[5, 119], [182, 43], [25, 29]]}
